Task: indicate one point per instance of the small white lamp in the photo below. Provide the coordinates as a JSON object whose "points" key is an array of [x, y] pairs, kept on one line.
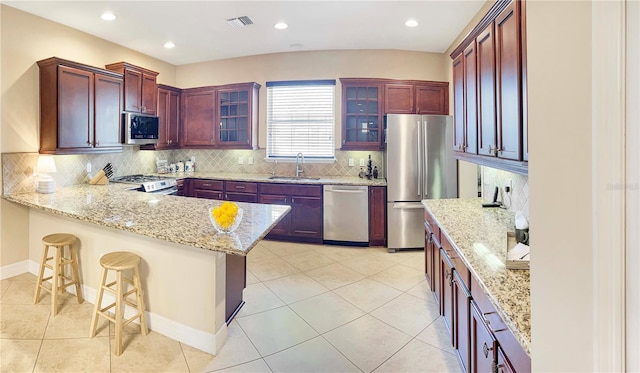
{"points": [[45, 166]]}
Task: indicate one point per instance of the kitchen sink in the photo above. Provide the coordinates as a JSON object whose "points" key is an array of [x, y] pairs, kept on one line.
{"points": [[293, 178]]}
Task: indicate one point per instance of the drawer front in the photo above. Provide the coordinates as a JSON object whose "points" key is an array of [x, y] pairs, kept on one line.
{"points": [[291, 189], [208, 194], [208, 184], [430, 222], [241, 197], [241, 187]]}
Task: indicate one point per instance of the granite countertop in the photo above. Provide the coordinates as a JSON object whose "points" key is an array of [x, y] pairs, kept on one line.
{"points": [[175, 219], [479, 234], [265, 178]]}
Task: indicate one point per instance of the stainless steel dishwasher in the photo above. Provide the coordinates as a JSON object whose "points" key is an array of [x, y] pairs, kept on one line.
{"points": [[346, 214]]}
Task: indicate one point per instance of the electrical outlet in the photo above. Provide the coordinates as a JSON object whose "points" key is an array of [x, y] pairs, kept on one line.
{"points": [[250, 160], [361, 162], [88, 167], [351, 163], [240, 160]]}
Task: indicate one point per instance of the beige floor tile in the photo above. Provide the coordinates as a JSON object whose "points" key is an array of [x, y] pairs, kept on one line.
{"points": [[418, 356], [74, 321], [18, 355], [400, 277], [258, 298], [422, 290], [151, 353], [22, 292], [275, 330], [256, 366], [308, 260], [285, 248], [251, 278], [416, 262], [315, 355], [74, 355], [21, 321], [295, 287], [367, 341], [258, 253], [340, 253], [27, 276], [4, 285], [367, 294], [335, 275], [437, 335], [270, 269], [326, 311], [236, 350], [397, 257], [367, 265], [408, 313]]}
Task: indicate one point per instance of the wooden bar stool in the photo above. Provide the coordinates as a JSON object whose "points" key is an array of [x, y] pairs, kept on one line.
{"points": [[120, 261], [59, 281]]}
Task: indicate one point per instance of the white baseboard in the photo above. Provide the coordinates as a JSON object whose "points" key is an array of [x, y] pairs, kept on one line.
{"points": [[204, 341]]}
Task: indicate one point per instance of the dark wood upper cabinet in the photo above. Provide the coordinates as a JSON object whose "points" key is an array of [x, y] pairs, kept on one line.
{"points": [[432, 98], [362, 114], [198, 117], [470, 99], [237, 115], [485, 44], [168, 118], [399, 98], [416, 97], [508, 83], [80, 108], [140, 88], [458, 104]]}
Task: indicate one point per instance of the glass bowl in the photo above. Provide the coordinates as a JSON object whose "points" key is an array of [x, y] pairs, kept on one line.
{"points": [[230, 229]]}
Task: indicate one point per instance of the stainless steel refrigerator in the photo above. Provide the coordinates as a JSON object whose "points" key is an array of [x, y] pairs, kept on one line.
{"points": [[419, 164]]}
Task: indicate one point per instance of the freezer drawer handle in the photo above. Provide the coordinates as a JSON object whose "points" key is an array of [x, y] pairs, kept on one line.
{"points": [[404, 207]]}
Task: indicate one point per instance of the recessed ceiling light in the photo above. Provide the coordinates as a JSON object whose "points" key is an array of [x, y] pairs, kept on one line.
{"points": [[169, 45], [108, 16], [281, 25], [411, 23]]}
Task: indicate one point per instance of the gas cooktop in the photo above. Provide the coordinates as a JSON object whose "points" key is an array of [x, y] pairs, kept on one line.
{"points": [[138, 179], [150, 183]]}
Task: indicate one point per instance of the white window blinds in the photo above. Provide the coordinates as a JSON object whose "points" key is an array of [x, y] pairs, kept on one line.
{"points": [[301, 118]]}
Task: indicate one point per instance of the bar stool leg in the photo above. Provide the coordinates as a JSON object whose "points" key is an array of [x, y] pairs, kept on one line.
{"points": [[140, 296], [96, 307], [45, 252], [119, 312], [55, 280], [76, 273]]}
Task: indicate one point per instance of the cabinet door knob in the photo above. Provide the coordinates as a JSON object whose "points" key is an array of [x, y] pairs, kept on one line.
{"points": [[486, 350]]}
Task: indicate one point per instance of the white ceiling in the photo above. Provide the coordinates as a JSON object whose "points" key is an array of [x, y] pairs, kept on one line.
{"points": [[201, 33]]}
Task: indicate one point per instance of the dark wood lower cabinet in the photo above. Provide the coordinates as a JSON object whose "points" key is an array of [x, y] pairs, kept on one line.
{"points": [[235, 282], [377, 216], [306, 217], [305, 220], [461, 335], [446, 287], [282, 228], [483, 343]]}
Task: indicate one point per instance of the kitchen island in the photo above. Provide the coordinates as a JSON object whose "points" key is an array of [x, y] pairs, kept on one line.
{"points": [[189, 271]]}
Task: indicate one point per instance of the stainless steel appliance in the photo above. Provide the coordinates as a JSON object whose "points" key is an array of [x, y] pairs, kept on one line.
{"points": [[150, 183], [141, 129], [346, 214], [419, 164]]}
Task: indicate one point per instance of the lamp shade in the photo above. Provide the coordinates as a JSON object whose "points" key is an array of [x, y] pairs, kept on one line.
{"points": [[45, 164]]}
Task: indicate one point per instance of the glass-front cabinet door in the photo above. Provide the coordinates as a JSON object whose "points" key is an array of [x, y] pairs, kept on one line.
{"points": [[362, 121], [237, 110]]}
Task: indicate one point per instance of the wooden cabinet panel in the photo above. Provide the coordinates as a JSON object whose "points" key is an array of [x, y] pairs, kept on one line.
{"points": [[208, 184], [198, 107], [458, 104], [108, 109], [132, 90], [75, 103], [240, 187], [486, 92], [182, 187], [470, 99], [483, 344], [399, 98], [377, 216], [140, 88], [241, 197], [362, 114], [306, 217], [461, 335], [432, 99], [508, 82], [149, 95], [208, 194], [446, 294], [235, 115], [169, 117], [504, 366], [283, 227]]}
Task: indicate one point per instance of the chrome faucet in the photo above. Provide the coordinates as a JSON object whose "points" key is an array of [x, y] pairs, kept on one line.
{"points": [[299, 164]]}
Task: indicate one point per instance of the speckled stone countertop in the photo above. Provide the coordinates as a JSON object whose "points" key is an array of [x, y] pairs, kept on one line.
{"points": [[324, 180], [175, 219], [479, 235]]}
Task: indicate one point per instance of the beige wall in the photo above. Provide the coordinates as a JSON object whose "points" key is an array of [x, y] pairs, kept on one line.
{"points": [[24, 40], [561, 211], [313, 65]]}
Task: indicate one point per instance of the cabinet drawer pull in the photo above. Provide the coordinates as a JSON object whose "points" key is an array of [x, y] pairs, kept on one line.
{"points": [[488, 322], [486, 350], [240, 187]]}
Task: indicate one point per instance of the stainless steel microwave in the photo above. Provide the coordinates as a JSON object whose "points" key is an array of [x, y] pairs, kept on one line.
{"points": [[140, 129]]}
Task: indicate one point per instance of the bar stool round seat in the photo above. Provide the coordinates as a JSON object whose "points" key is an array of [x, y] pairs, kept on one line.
{"points": [[56, 263], [121, 288]]}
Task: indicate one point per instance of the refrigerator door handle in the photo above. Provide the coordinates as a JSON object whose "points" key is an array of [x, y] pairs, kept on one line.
{"points": [[407, 206], [425, 156], [420, 160]]}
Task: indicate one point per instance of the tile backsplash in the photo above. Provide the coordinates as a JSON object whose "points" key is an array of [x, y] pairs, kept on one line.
{"points": [[519, 198], [18, 168]]}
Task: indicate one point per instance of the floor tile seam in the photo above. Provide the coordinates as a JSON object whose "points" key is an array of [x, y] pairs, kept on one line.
{"points": [[276, 278], [252, 344], [391, 286], [237, 365], [340, 352], [288, 303], [35, 361], [392, 355], [430, 344], [186, 362], [341, 325]]}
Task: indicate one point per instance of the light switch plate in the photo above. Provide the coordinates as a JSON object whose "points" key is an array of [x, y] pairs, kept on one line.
{"points": [[351, 162], [88, 167], [361, 162], [240, 160], [250, 160]]}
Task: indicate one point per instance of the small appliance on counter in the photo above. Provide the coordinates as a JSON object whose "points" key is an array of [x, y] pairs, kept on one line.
{"points": [[102, 177]]}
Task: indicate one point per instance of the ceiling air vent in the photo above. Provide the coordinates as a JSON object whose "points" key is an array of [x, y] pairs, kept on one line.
{"points": [[240, 21]]}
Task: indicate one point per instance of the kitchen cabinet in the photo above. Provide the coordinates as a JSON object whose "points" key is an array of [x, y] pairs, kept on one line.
{"points": [[377, 216], [416, 97], [489, 76], [305, 218], [140, 88], [241, 191], [237, 114], [183, 188], [461, 332], [80, 108], [483, 343], [363, 116], [169, 117], [198, 121], [446, 292], [209, 189]]}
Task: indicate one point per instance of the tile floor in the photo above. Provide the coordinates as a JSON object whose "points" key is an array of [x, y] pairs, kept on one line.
{"points": [[309, 308]]}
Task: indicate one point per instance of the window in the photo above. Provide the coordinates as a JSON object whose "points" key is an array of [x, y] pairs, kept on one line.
{"points": [[301, 118]]}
